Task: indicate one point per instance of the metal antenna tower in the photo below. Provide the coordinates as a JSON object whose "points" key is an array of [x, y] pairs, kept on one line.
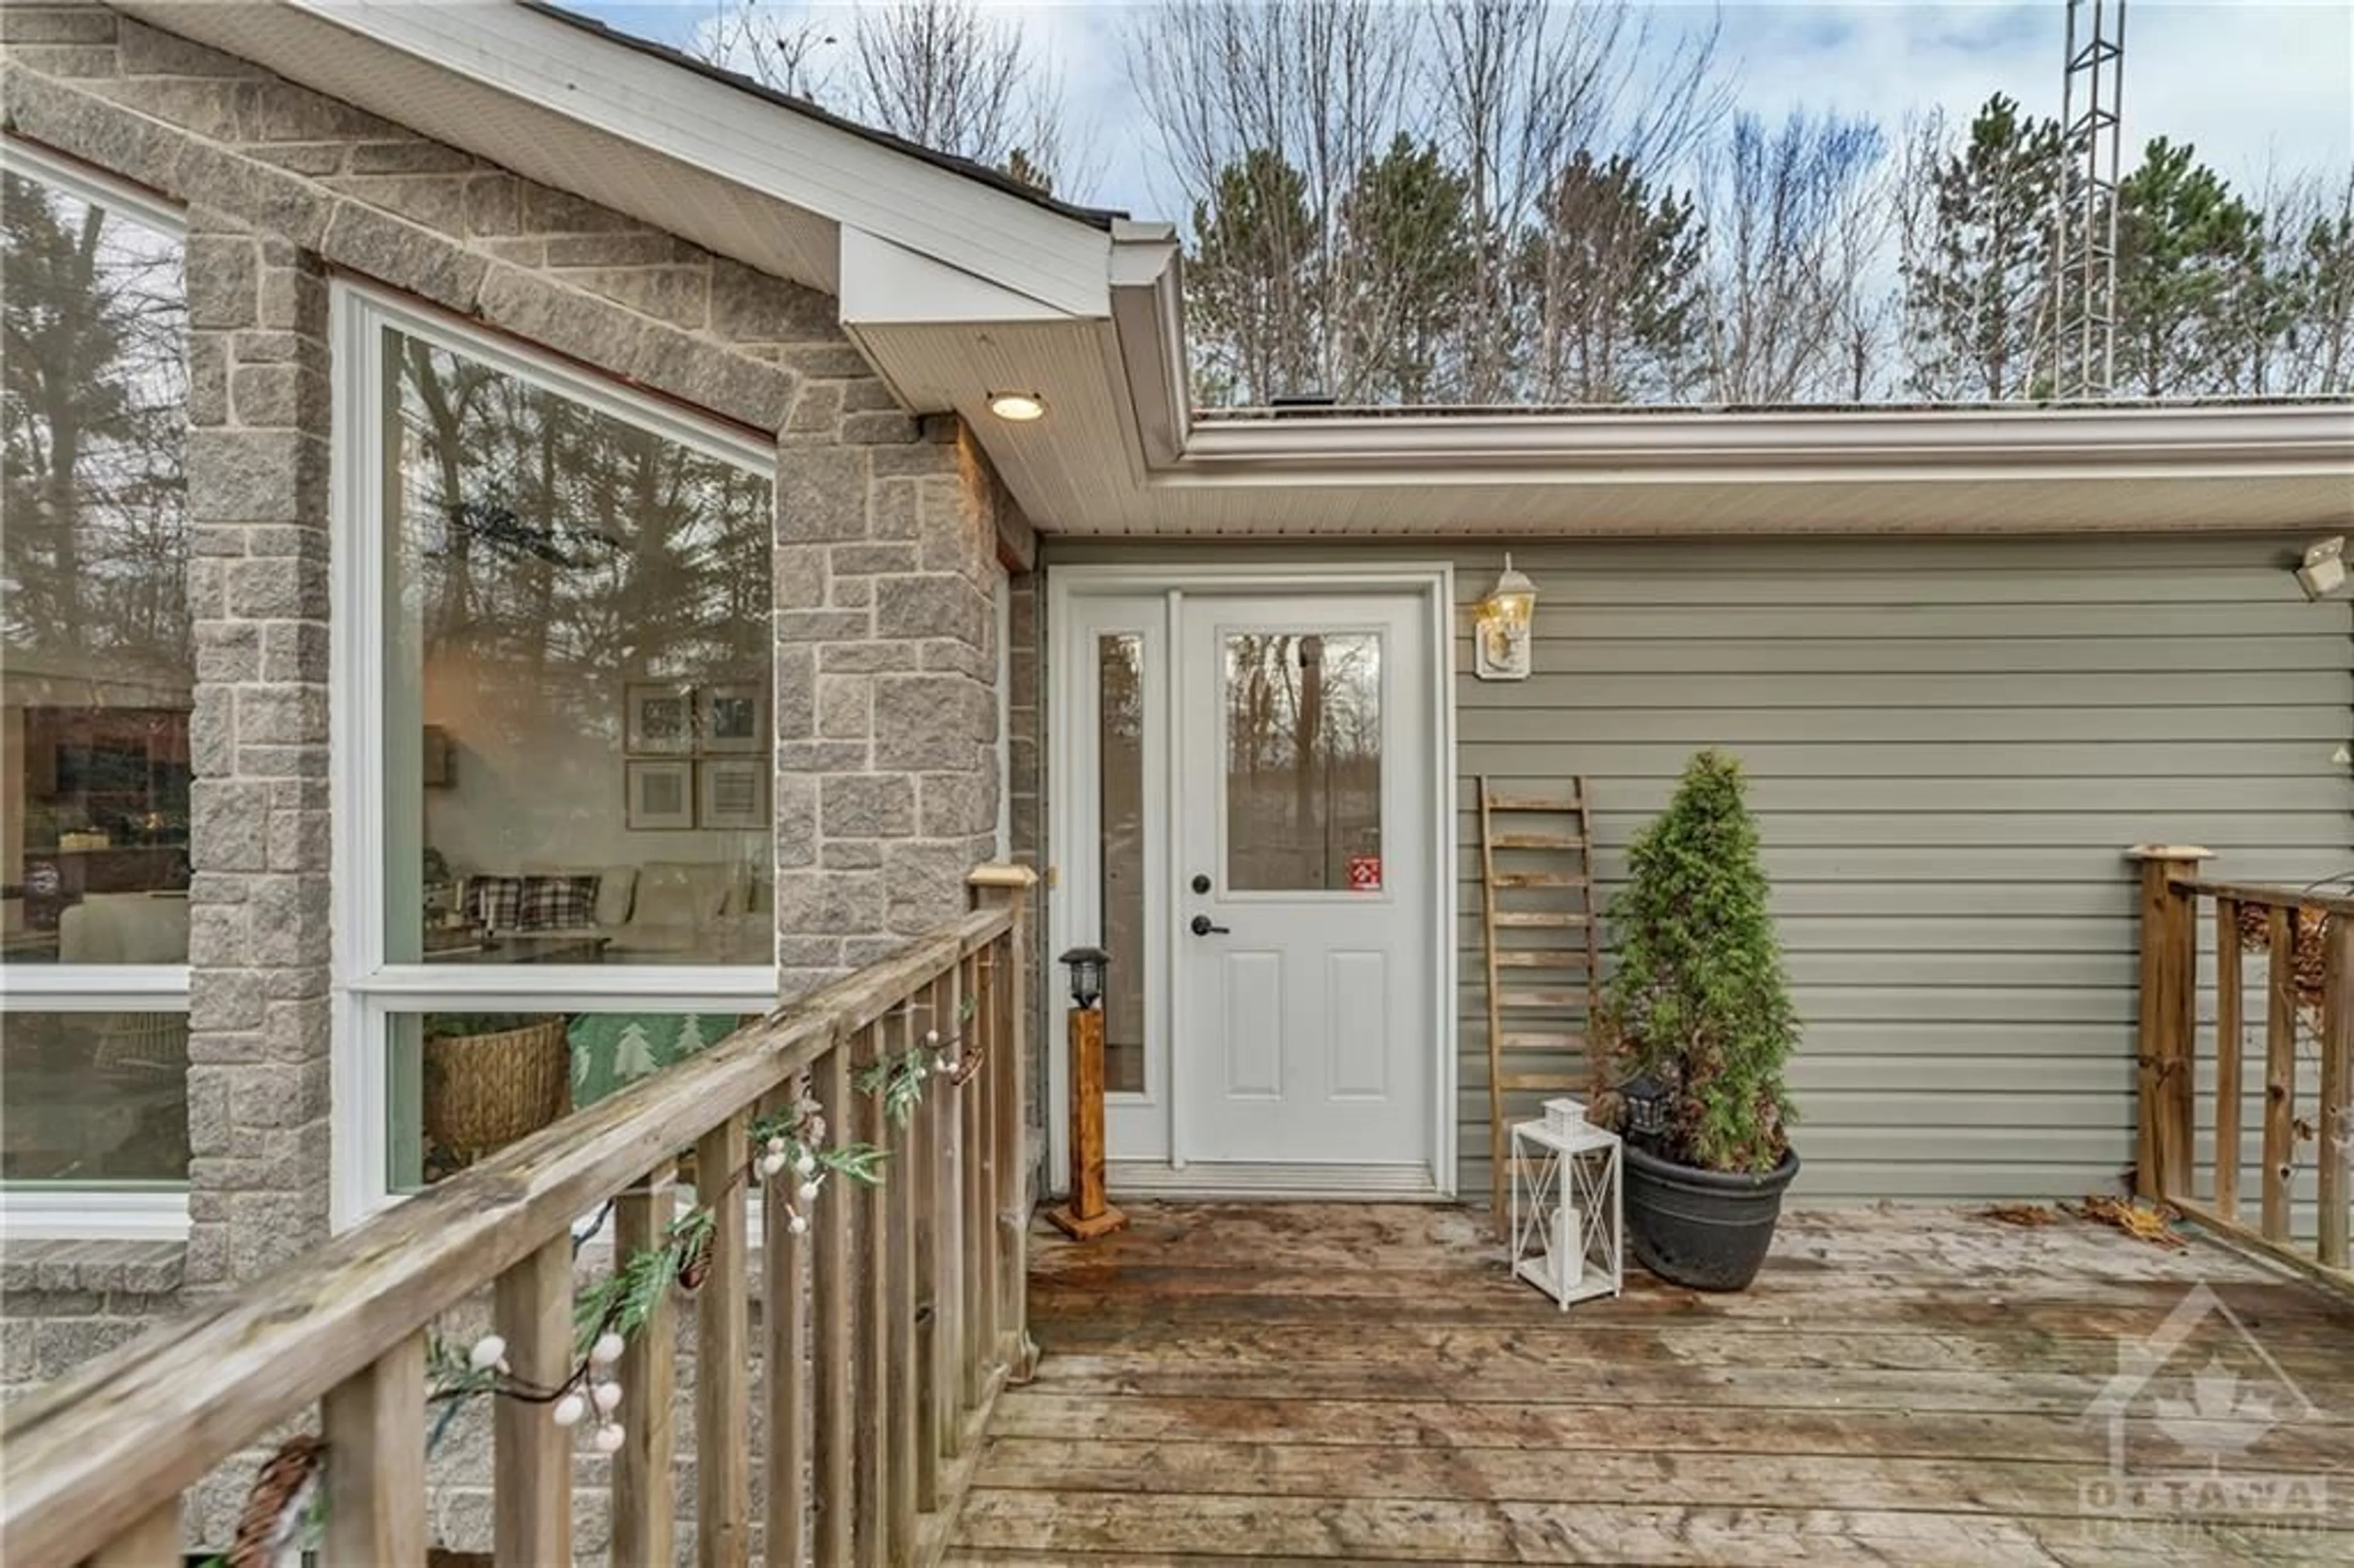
{"points": [[2084, 253]]}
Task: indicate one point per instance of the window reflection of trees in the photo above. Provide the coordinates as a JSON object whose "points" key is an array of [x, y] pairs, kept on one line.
{"points": [[93, 558], [1120, 810], [1303, 757], [568, 547]]}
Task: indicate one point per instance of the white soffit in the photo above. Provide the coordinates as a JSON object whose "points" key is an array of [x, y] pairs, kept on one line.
{"points": [[886, 282]]}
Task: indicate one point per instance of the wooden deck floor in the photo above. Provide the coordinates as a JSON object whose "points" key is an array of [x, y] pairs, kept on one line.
{"points": [[1363, 1384]]}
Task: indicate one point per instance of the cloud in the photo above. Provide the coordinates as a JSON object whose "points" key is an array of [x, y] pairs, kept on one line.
{"points": [[2246, 83], [2253, 85]]}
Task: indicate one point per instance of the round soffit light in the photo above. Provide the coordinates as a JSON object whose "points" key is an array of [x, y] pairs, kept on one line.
{"points": [[1018, 408]]}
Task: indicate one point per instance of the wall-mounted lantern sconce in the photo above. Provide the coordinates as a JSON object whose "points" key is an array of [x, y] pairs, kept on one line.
{"points": [[1088, 1214], [2323, 570], [1502, 630]]}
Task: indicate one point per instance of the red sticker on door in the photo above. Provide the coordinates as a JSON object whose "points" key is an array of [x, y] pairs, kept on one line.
{"points": [[1365, 873]]}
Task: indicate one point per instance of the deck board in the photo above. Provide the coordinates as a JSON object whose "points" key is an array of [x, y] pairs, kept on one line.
{"points": [[1363, 1384]]}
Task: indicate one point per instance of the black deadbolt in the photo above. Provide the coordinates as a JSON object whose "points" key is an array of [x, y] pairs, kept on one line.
{"points": [[1201, 883]]}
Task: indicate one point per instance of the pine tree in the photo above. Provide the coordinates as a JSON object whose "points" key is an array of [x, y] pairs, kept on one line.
{"points": [[1977, 266], [1406, 264], [2193, 299], [92, 397], [1251, 284], [1613, 278], [1698, 1001]]}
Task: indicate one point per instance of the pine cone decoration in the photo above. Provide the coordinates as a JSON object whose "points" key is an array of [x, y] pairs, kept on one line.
{"points": [[269, 1531], [2310, 947], [695, 1266]]}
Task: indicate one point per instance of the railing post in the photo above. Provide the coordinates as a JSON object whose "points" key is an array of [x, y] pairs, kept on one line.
{"points": [[900, 1381], [2280, 1072], [980, 1349], [643, 1504], [2335, 1143], [2169, 979], [722, 1342], [785, 1381], [870, 1321], [831, 1331], [1009, 887], [531, 1455], [2230, 988], [153, 1543], [374, 1423]]}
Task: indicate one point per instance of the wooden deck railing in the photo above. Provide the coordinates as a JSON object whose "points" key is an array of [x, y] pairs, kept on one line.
{"points": [[889, 1327], [2303, 1123]]}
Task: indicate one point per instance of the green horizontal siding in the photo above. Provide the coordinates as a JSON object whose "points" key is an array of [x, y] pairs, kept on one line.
{"points": [[1949, 744]]}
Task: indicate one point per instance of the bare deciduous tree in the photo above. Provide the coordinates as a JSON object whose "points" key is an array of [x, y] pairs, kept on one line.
{"points": [[1279, 106], [1792, 233], [1516, 88], [945, 74], [2310, 257]]}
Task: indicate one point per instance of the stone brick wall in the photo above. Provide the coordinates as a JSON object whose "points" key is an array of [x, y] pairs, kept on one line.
{"points": [[260, 834], [886, 707], [886, 565], [62, 1304]]}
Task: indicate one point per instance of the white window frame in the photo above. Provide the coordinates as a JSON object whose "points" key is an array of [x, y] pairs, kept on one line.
{"points": [[369, 991], [62, 1209]]}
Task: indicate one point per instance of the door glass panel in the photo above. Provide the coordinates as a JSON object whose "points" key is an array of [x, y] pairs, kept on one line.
{"points": [[1119, 706], [1303, 760]]}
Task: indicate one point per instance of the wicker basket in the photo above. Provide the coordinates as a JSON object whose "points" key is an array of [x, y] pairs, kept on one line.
{"points": [[484, 1090]]}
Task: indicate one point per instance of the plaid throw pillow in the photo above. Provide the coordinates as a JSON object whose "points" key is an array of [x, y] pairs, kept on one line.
{"points": [[495, 902], [558, 903]]}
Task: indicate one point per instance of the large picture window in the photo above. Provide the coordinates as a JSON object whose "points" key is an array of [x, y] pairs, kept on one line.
{"points": [[556, 652], [97, 675]]}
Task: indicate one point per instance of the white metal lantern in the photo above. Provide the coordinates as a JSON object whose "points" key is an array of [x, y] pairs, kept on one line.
{"points": [[1567, 1223], [1502, 627]]}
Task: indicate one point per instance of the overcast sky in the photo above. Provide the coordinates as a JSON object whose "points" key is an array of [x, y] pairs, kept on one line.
{"points": [[2249, 82]]}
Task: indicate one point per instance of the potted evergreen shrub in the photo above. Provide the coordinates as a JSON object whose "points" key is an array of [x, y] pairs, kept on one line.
{"points": [[1694, 1028]]}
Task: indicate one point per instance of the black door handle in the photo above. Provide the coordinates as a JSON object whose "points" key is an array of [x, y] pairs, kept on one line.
{"points": [[1202, 927]]}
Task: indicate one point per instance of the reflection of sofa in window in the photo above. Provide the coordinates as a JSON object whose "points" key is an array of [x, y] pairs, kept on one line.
{"points": [[701, 909], [124, 929], [664, 911]]}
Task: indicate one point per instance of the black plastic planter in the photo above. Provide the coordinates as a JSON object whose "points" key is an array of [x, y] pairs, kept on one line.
{"points": [[1705, 1230]]}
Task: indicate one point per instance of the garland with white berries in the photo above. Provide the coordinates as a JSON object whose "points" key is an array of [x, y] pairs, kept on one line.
{"points": [[620, 1306]]}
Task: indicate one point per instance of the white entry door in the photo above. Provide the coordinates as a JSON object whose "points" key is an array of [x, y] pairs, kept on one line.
{"points": [[1304, 893]]}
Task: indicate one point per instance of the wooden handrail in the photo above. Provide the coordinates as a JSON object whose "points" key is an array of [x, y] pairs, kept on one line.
{"points": [[118, 1443], [2308, 941], [2265, 895]]}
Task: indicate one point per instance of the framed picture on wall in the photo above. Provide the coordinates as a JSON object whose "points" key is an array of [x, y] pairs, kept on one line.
{"points": [[660, 717], [660, 794], [732, 715], [732, 793]]}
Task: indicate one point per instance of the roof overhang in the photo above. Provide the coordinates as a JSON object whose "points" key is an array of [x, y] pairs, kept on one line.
{"points": [[956, 287], [696, 153]]}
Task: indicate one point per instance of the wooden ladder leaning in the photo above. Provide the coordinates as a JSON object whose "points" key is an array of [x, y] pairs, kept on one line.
{"points": [[1545, 954]]}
